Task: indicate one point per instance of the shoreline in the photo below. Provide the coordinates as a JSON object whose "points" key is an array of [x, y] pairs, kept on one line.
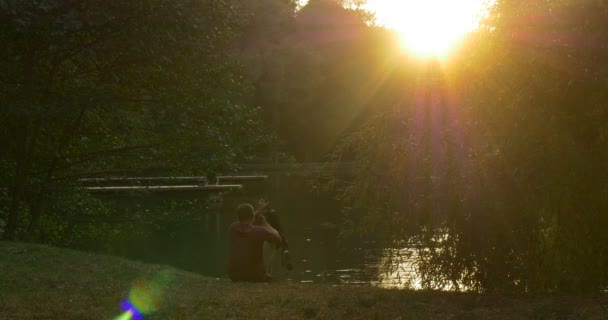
{"points": [[44, 282]]}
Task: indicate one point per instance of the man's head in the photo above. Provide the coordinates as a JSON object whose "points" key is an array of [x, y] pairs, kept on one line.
{"points": [[245, 213]]}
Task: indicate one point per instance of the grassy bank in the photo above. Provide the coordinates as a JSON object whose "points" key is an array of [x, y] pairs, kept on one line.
{"points": [[40, 282]]}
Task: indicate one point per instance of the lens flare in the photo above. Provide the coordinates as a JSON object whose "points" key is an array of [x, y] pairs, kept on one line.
{"points": [[125, 316], [145, 297]]}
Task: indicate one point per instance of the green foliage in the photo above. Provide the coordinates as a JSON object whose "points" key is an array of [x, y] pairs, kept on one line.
{"points": [[307, 66], [98, 88], [493, 167], [73, 219]]}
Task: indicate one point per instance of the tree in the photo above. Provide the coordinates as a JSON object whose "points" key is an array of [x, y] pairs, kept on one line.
{"points": [[263, 52], [92, 87], [510, 200], [319, 64]]}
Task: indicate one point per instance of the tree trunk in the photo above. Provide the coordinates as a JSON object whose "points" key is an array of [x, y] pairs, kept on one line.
{"points": [[37, 207], [35, 213], [21, 173]]}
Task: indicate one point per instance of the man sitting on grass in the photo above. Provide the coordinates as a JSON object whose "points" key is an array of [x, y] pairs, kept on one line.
{"points": [[245, 256]]}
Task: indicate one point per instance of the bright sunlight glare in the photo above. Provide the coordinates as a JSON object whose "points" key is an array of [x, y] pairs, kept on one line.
{"points": [[429, 28]]}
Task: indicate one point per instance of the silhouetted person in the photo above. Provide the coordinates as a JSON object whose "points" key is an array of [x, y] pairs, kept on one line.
{"points": [[245, 257]]}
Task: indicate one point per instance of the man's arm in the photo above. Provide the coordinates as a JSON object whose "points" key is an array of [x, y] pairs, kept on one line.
{"points": [[272, 235], [262, 204]]}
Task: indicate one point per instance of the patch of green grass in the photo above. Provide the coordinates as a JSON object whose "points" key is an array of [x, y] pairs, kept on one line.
{"points": [[41, 282]]}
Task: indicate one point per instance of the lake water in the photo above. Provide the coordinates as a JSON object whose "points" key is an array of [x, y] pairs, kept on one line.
{"points": [[199, 244]]}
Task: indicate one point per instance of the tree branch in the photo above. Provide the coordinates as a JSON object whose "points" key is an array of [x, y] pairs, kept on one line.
{"points": [[96, 155]]}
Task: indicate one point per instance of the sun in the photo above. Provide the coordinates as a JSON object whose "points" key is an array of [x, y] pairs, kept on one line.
{"points": [[429, 28]]}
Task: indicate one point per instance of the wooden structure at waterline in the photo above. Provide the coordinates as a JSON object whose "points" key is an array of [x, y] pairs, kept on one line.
{"points": [[215, 201], [167, 188], [118, 184]]}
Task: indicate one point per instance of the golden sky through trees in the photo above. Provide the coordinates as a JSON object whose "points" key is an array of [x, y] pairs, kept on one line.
{"points": [[429, 27]]}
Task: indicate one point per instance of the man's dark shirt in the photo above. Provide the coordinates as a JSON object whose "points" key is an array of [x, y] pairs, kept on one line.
{"points": [[245, 257]]}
